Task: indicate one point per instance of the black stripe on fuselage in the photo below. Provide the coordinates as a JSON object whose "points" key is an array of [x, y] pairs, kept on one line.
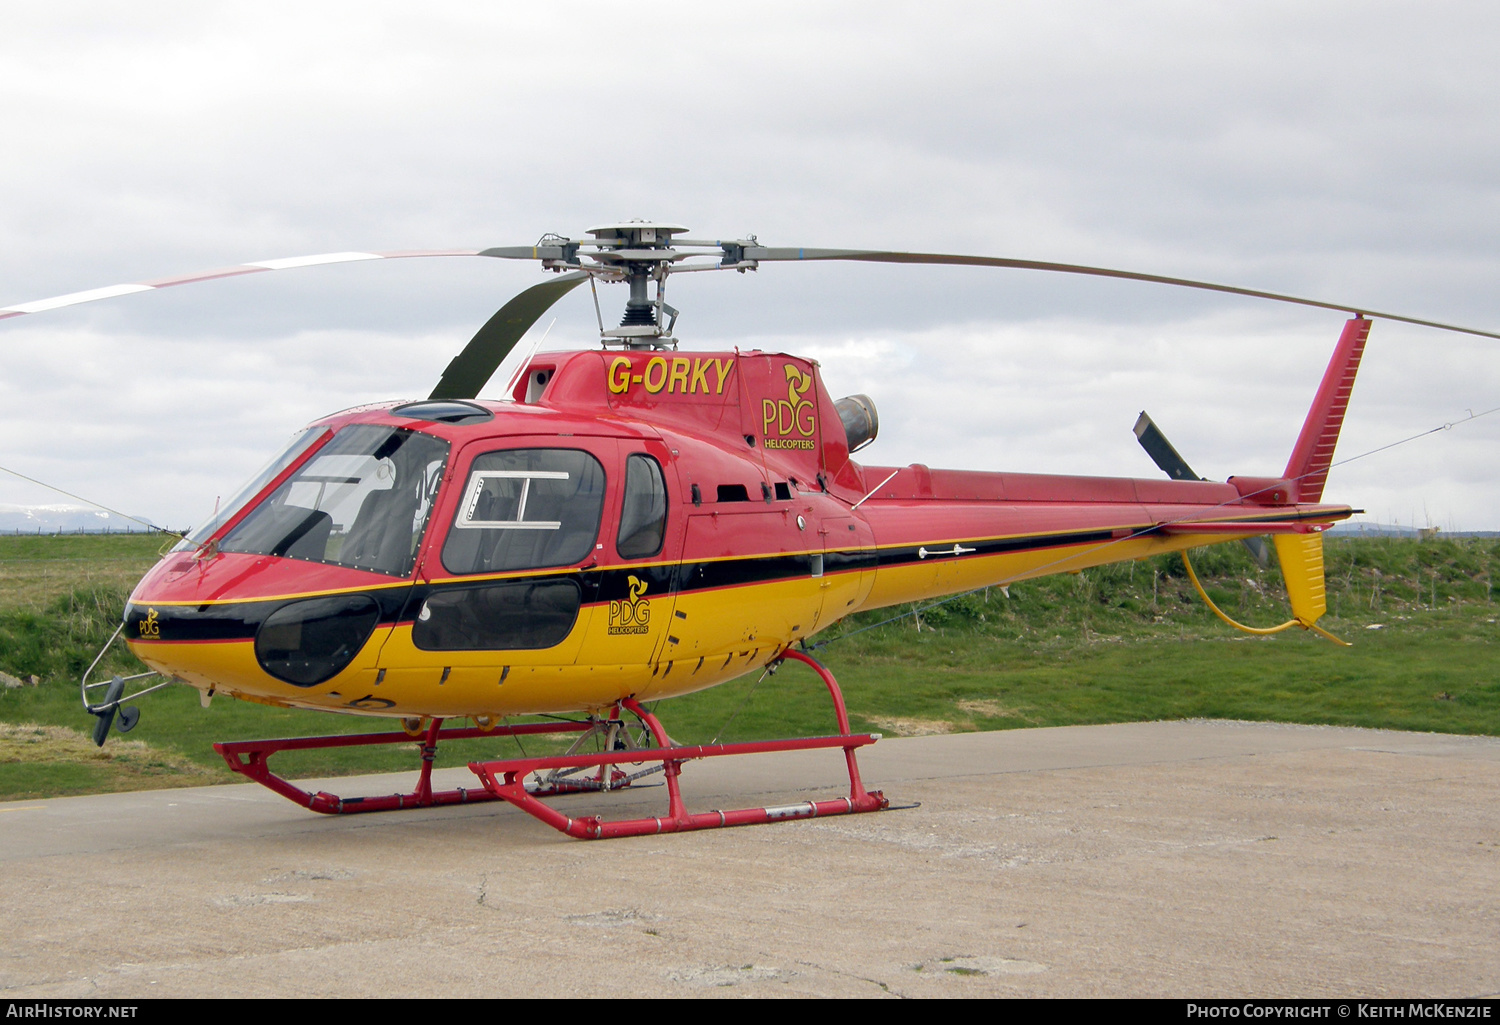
{"points": [[993, 546], [233, 621], [236, 621]]}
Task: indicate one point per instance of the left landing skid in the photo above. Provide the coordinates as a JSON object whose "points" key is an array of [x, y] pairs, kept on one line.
{"points": [[251, 758]]}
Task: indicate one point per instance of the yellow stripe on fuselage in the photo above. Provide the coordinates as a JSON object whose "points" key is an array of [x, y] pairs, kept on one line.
{"points": [[289, 596], [698, 638]]}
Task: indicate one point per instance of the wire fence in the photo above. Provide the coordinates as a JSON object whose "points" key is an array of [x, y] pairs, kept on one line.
{"points": [[45, 531]]}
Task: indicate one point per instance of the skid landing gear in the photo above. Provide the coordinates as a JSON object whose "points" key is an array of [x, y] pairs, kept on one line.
{"points": [[574, 772], [251, 757], [505, 779]]}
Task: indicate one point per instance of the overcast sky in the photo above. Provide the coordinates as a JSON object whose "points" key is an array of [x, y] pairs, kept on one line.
{"points": [[1343, 151]]}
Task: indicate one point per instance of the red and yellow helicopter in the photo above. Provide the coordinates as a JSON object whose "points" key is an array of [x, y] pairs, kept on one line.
{"points": [[631, 523]]}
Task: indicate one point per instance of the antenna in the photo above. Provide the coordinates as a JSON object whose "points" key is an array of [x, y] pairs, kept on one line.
{"points": [[522, 355]]}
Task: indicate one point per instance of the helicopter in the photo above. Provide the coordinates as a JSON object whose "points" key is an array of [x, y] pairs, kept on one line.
{"points": [[631, 523]]}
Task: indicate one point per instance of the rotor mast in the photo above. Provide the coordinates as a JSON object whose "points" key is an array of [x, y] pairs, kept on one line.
{"points": [[637, 253]]}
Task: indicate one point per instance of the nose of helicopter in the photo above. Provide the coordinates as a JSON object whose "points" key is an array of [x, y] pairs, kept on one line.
{"points": [[259, 626]]}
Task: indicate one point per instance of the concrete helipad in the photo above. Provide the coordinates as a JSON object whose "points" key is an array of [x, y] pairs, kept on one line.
{"points": [[1158, 859]]}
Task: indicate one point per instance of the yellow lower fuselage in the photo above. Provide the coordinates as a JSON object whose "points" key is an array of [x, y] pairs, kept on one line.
{"points": [[671, 639]]}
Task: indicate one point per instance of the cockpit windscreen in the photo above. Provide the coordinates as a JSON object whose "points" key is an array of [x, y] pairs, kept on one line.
{"points": [[303, 441], [361, 501]]}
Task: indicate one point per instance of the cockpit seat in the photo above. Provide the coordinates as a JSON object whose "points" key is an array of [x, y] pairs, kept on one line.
{"points": [[307, 539]]}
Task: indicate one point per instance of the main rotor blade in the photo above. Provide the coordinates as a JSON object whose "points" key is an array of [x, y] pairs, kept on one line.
{"points": [[743, 254], [472, 368], [288, 263], [763, 253]]}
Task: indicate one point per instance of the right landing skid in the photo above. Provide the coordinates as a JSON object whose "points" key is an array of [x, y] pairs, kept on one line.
{"points": [[506, 779], [629, 753]]}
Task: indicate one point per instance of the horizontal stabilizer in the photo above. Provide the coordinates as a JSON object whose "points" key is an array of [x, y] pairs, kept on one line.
{"points": [[1228, 527]]}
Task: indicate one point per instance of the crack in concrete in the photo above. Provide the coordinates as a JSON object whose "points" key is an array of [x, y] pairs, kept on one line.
{"points": [[885, 988]]}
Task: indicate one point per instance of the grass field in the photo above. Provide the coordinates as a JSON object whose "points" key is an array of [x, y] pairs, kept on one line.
{"points": [[1117, 644]]}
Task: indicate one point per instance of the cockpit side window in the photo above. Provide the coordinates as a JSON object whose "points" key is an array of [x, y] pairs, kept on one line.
{"points": [[643, 512], [526, 509], [361, 501]]}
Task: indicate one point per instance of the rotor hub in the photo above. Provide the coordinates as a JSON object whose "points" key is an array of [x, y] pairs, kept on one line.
{"points": [[637, 253]]}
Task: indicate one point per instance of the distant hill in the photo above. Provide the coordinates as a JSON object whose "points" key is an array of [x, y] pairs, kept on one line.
{"points": [[1396, 530], [63, 519]]}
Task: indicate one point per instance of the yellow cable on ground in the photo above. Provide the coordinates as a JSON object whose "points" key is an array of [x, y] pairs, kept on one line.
{"points": [[1258, 631]]}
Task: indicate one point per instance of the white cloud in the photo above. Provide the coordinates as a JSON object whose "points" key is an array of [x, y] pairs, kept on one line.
{"points": [[1340, 150]]}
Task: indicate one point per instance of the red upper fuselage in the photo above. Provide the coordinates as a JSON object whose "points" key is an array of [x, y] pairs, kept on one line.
{"points": [[766, 533]]}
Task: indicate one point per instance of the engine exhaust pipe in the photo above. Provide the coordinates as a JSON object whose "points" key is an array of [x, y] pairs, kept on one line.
{"points": [[861, 422]]}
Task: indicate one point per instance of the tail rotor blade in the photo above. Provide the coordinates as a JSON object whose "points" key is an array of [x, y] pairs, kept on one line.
{"points": [[1173, 465], [1160, 449], [1259, 549], [472, 368]]}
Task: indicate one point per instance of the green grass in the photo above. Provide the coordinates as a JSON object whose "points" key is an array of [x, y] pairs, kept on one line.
{"points": [[49, 761], [1117, 644], [59, 778], [1132, 642]]}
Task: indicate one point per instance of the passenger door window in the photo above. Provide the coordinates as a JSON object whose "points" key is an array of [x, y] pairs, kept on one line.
{"points": [[526, 509], [643, 510], [514, 615]]}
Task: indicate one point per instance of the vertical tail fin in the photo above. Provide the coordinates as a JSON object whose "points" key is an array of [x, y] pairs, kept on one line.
{"points": [[1301, 555], [1301, 558], [1313, 453]]}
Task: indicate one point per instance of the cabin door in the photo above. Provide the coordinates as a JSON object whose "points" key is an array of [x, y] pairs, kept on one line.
{"points": [[747, 585], [848, 570]]}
